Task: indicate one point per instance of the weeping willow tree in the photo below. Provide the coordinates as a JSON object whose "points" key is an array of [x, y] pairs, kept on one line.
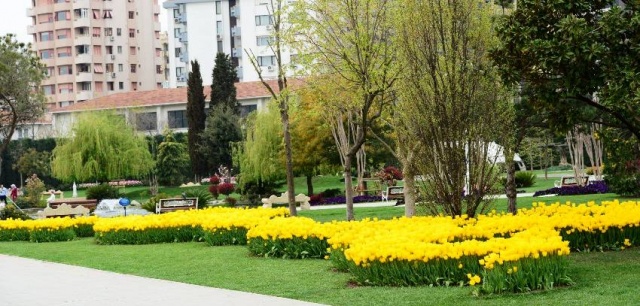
{"points": [[102, 147], [260, 156], [450, 101]]}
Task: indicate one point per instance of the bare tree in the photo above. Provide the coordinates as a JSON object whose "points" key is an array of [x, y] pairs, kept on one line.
{"points": [[281, 94]]}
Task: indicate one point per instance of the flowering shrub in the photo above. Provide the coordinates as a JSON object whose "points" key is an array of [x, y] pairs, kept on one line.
{"points": [[226, 188], [214, 180], [389, 175], [46, 230], [592, 188]]}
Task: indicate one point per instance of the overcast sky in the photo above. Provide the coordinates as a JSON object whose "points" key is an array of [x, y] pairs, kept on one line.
{"points": [[13, 18]]}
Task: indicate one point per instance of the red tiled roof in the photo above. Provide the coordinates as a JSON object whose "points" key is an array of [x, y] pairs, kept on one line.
{"points": [[245, 90]]}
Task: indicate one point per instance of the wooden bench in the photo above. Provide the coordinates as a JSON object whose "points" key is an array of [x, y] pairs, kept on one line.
{"points": [[284, 199], [63, 210], [75, 202], [568, 181], [394, 193], [175, 204]]}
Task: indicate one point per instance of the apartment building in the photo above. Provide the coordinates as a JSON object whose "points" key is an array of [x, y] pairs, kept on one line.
{"points": [[94, 48], [198, 29]]}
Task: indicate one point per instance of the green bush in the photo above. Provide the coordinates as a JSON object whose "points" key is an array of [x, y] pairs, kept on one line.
{"points": [[151, 204], [33, 191], [10, 212], [203, 197], [103, 191], [524, 179], [330, 193]]}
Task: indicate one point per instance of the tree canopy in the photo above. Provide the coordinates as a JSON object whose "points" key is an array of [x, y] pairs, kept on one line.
{"points": [[21, 100], [223, 89], [576, 59], [102, 147], [221, 131]]}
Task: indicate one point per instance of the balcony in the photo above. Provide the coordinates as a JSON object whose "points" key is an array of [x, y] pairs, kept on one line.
{"points": [[81, 21], [78, 4], [184, 57], [183, 37], [235, 31], [84, 58], [84, 77], [31, 29], [84, 95], [82, 40], [30, 12], [236, 52], [235, 11]]}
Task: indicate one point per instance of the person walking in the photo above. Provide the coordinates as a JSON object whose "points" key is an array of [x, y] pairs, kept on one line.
{"points": [[3, 194], [13, 192]]}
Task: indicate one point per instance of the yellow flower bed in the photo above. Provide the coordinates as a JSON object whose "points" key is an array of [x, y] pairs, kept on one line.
{"points": [[44, 230]]}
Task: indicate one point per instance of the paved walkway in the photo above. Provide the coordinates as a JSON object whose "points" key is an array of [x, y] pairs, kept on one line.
{"points": [[28, 282]]}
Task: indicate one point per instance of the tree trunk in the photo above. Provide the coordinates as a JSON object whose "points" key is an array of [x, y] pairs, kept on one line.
{"points": [[511, 184], [284, 114], [409, 192], [309, 184], [348, 185]]}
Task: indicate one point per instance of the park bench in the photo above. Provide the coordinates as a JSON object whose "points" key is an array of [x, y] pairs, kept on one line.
{"points": [[568, 181], [284, 199], [394, 193], [369, 186], [175, 204], [75, 202], [63, 210]]}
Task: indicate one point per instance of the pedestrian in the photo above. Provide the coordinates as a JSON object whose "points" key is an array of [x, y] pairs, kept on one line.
{"points": [[3, 194], [13, 192]]}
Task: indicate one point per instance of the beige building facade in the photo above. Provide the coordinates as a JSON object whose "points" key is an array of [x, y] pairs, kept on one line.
{"points": [[93, 48]]}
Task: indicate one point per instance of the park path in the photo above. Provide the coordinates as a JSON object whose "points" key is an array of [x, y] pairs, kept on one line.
{"points": [[29, 282]]}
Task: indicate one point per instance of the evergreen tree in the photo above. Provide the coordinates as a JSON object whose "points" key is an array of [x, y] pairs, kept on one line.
{"points": [[222, 129], [172, 161], [196, 118], [223, 90]]}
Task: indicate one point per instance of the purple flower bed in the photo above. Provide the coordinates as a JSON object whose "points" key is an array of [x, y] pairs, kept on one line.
{"points": [[594, 187], [342, 200]]}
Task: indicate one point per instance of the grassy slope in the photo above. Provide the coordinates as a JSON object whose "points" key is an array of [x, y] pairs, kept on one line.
{"points": [[601, 278]]}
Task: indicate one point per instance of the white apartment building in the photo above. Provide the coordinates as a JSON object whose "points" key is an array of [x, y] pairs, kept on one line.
{"points": [[198, 29], [93, 48]]}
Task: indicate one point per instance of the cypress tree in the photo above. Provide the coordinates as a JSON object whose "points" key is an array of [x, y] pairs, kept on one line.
{"points": [[196, 118], [223, 90]]}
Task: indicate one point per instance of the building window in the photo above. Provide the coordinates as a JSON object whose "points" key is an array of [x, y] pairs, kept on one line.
{"points": [[83, 49], [147, 121], [119, 49], [109, 68], [84, 86], [81, 13], [110, 86], [48, 89], [65, 70], [46, 54], [64, 52], [178, 52], [64, 33], [45, 18], [46, 36], [82, 67], [132, 50], [247, 109], [97, 68], [218, 7], [121, 85], [220, 46], [96, 14], [180, 72], [108, 32], [177, 119], [159, 69], [62, 15], [176, 13], [119, 31], [107, 14], [109, 49], [65, 88], [131, 15], [133, 68], [120, 67], [218, 27], [97, 32], [176, 33], [267, 60], [132, 33], [264, 40], [263, 20], [50, 71]]}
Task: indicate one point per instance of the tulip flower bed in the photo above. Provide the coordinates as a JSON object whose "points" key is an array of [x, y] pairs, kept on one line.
{"points": [[217, 226], [46, 230]]}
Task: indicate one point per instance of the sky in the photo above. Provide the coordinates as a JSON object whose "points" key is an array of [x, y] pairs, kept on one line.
{"points": [[13, 18]]}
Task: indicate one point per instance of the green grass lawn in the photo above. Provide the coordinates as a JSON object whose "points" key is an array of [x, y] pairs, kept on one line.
{"points": [[601, 278]]}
